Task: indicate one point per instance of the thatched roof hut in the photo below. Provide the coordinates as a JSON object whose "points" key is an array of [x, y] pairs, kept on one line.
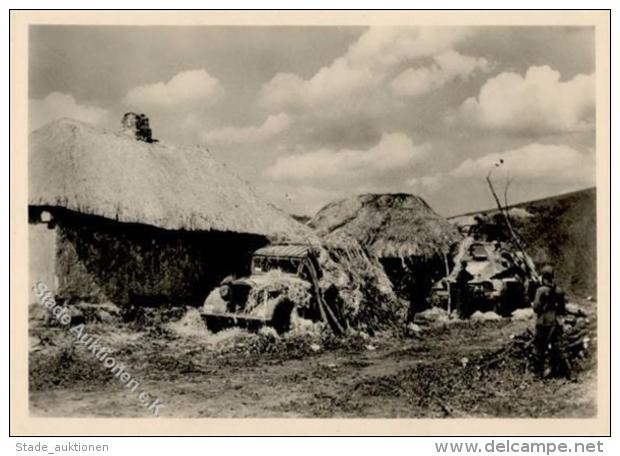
{"points": [[98, 172], [402, 230], [396, 225], [116, 218]]}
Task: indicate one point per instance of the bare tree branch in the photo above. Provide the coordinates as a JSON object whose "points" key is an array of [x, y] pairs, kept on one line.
{"points": [[509, 181], [504, 211]]}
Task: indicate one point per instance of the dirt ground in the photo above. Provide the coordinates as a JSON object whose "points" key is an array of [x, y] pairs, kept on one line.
{"points": [[438, 373]]}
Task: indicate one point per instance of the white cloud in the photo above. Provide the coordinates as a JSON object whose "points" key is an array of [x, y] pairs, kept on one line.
{"points": [[389, 46], [536, 102], [447, 67], [366, 63], [272, 126], [543, 162], [394, 151], [340, 79], [298, 199], [187, 87], [426, 183], [57, 105]]}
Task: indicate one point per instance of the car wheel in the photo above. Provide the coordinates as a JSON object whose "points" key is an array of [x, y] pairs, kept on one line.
{"points": [[281, 320]]}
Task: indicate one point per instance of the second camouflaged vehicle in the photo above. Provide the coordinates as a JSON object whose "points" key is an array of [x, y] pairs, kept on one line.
{"points": [[500, 278]]}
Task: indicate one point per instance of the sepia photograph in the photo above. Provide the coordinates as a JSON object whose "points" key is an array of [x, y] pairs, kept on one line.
{"points": [[315, 220]]}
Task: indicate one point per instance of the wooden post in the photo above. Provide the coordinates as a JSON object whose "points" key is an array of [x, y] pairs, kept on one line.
{"points": [[445, 261]]}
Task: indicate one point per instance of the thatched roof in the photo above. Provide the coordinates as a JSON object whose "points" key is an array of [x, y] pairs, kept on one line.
{"points": [[389, 225], [93, 171]]}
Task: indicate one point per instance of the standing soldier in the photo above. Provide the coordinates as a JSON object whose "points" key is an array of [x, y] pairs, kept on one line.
{"points": [[461, 291], [549, 306]]}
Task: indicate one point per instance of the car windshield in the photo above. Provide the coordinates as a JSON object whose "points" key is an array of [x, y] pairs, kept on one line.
{"points": [[265, 264]]}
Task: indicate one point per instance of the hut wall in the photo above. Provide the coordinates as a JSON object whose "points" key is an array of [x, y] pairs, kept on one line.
{"points": [[101, 260], [41, 256]]}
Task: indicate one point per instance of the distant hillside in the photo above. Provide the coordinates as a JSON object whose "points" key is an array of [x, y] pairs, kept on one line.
{"points": [[560, 230]]}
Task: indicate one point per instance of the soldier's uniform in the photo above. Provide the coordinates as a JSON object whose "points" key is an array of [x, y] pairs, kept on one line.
{"points": [[462, 296], [549, 304]]}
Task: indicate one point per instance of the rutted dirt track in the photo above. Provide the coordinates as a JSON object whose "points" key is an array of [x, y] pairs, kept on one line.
{"points": [[242, 375]]}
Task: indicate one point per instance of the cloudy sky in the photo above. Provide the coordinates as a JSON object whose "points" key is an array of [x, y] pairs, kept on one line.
{"points": [[312, 114]]}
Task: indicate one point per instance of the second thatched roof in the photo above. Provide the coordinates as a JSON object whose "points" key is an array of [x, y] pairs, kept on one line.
{"points": [[396, 225], [99, 172]]}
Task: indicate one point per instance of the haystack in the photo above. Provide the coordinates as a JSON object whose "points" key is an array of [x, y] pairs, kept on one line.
{"points": [[409, 238], [355, 282]]}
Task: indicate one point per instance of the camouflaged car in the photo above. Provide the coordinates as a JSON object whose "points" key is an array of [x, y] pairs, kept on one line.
{"points": [[283, 279]]}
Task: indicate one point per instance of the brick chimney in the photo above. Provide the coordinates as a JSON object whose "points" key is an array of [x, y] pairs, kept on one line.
{"points": [[137, 126]]}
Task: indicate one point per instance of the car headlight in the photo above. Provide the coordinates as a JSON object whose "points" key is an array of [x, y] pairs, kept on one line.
{"points": [[225, 292]]}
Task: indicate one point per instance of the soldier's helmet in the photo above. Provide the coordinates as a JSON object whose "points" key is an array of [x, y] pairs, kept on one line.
{"points": [[547, 272]]}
